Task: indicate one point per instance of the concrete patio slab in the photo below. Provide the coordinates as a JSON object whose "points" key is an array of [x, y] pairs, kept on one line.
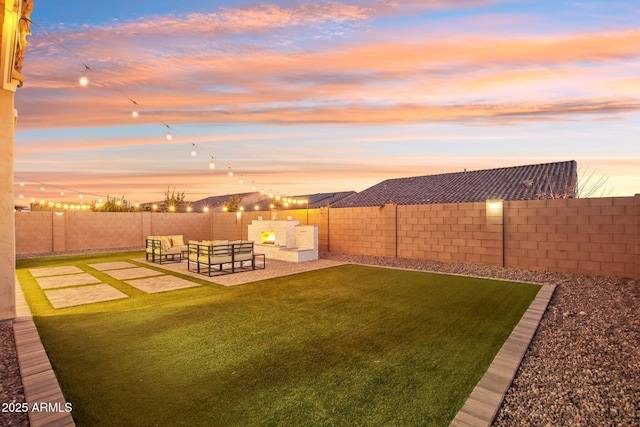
{"points": [[132, 273], [69, 297], [152, 285], [67, 280], [105, 266], [274, 268], [54, 271]]}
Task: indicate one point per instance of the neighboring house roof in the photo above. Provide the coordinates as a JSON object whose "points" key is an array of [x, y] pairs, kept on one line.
{"points": [[250, 200], [540, 181], [325, 199]]}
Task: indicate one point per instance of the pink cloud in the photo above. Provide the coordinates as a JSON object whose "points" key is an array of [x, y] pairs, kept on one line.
{"points": [[214, 81]]}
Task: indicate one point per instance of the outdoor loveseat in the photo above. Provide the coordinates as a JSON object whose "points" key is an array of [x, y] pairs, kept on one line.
{"points": [[220, 253], [159, 247]]}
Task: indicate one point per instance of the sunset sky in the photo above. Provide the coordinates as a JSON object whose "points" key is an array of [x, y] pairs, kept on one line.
{"points": [[299, 97]]}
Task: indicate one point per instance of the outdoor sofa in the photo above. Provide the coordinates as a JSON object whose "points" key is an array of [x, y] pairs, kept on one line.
{"points": [[228, 257], [165, 247]]}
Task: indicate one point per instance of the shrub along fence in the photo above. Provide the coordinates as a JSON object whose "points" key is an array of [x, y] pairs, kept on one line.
{"points": [[589, 236]]}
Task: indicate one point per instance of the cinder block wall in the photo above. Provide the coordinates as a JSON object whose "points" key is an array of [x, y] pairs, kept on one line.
{"points": [[192, 226], [589, 236], [360, 231], [456, 232], [34, 233], [95, 230]]}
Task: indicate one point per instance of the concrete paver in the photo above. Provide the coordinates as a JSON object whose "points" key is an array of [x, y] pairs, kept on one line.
{"points": [[132, 273], [69, 297], [66, 280], [152, 285], [105, 266], [54, 271]]}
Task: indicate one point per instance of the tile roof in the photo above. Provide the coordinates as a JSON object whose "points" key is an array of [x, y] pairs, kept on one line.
{"points": [[539, 181], [249, 200]]}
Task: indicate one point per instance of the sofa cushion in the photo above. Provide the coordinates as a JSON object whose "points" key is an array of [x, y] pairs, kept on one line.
{"points": [[177, 240], [165, 241]]}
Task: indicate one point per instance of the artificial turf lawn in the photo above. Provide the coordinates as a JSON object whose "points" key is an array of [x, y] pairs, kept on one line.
{"points": [[349, 345]]}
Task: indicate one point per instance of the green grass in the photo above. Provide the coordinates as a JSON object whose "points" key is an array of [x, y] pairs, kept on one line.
{"points": [[350, 345]]}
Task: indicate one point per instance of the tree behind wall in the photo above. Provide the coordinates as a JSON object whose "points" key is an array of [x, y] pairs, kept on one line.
{"points": [[173, 201]]}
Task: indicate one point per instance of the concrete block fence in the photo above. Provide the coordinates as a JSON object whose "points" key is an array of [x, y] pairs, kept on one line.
{"points": [[589, 236]]}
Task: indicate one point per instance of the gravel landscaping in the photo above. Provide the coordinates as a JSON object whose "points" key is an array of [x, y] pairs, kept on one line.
{"points": [[582, 368], [10, 383]]}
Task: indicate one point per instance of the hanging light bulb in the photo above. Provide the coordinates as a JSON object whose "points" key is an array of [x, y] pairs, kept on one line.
{"points": [[21, 183], [169, 136], [241, 181], [42, 188], [193, 151], [62, 192], [134, 113], [84, 80], [81, 196], [253, 186], [21, 196], [212, 164], [230, 172]]}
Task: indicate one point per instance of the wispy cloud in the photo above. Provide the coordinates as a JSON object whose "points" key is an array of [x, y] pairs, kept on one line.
{"points": [[307, 69], [386, 82]]}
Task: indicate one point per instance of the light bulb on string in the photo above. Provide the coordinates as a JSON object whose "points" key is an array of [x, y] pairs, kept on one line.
{"points": [[230, 173], [21, 183], [42, 188], [194, 153], [168, 135], [134, 113], [212, 164], [84, 80], [241, 181]]}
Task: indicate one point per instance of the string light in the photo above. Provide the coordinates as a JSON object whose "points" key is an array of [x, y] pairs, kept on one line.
{"points": [[84, 81], [134, 113]]}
